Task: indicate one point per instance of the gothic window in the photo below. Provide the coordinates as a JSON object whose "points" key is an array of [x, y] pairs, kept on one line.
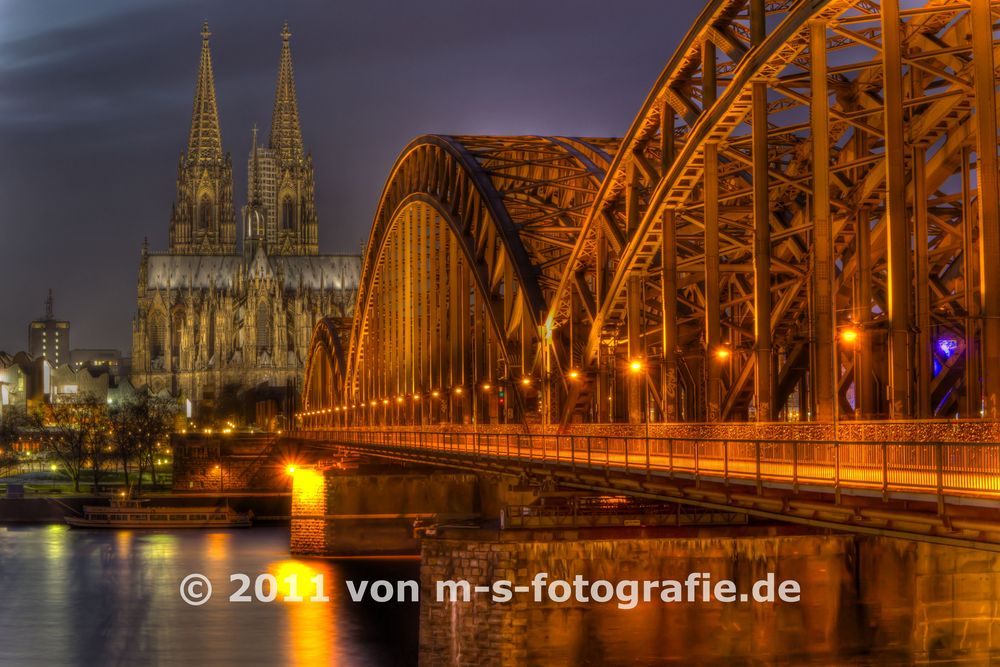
{"points": [[264, 327], [211, 335], [157, 335], [205, 212], [175, 334], [287, 213]]}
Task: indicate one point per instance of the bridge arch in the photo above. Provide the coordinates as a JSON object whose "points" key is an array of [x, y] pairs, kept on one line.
{"points": [[468, 243], [740, 281], [324, 377]]}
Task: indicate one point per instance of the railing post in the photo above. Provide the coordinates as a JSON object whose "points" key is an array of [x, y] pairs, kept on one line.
{"points": [[795, 466], [589, 465], [670, 456], [697, 465], [725, 464], [607, 455], [760, 485], [558, 457], [647, 459], [626, 454], [885, 471], [939, 455], [836, 471]]}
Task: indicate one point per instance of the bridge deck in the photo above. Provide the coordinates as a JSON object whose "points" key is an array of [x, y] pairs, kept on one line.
{"points": [[786, 476]]}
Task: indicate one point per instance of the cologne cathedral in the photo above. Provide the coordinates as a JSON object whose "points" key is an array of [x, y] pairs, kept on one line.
{"points": [[214, 317]]}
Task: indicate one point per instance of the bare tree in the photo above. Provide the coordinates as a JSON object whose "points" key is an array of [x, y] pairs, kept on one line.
{"points": [[125, 438], [76, 434], [152, 420]]}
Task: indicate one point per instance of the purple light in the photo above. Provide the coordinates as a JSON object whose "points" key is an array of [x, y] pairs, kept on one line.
{"points": [[948, 347]]}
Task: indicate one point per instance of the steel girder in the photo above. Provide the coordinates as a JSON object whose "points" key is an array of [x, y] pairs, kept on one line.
{"points": [[469, 241], [792, 215]]}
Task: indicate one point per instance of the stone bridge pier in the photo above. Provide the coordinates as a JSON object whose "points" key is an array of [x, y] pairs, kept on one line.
{"points": [[375, 509]]}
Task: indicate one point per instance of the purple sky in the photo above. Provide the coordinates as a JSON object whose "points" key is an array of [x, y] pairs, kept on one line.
{"points": [[95, 101]]}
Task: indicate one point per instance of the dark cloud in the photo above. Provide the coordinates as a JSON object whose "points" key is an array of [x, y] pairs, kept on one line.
{"points": [[95, 100]]}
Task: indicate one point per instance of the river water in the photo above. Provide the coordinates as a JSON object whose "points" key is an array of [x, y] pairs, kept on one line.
{"points": [[108, 598]]}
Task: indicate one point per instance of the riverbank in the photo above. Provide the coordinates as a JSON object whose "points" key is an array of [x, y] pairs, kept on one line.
{"points": [[268, 508]]}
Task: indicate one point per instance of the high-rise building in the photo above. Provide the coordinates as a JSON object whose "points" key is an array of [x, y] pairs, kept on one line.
{"points": [[211, 319], [49, 337]]}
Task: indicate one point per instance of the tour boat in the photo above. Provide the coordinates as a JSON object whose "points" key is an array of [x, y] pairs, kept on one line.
{"points": [[124, 513]]}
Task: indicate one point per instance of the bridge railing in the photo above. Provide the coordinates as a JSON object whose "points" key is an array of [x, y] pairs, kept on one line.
{"points": [[967, 469]]}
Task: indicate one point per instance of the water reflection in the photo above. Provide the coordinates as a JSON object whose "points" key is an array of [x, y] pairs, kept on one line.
{"points": [[111, 598], [312, 619]]}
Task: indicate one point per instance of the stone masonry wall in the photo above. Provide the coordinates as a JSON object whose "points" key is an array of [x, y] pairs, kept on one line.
{"points": [[886, 599]]}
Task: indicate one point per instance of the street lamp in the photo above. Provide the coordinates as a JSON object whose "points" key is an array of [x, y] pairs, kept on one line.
{"points": [[636, 367], [849, 337]]}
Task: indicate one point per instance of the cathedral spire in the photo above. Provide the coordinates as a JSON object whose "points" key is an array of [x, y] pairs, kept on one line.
{"points": [[202, 220], [286, 136], [205, 139]]}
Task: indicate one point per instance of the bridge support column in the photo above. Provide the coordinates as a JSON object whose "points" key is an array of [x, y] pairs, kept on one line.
{"points": [[897, 224], [864, 384], [825, 376], [668, 276], [922, 395], [989, 200], [714, 358], [762, 257], [634, 307]]}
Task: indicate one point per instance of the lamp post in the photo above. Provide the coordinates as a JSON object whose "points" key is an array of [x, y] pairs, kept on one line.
{"points": [[848, 337], [637, 368]]}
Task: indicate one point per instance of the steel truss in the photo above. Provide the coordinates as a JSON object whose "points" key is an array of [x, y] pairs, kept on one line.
{"points": [[803, 221]]}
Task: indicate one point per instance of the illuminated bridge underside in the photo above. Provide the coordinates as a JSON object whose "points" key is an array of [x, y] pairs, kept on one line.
{"points": [[803, 220]]}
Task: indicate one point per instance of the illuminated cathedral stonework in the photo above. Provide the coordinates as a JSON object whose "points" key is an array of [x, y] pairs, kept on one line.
{"points": [[211, 316]]}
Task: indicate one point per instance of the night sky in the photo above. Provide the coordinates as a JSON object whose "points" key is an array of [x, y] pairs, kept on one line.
{"points": [[95, 103]]}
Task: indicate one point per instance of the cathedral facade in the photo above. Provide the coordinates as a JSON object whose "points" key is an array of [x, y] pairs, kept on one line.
{"points": [[214, 316]]}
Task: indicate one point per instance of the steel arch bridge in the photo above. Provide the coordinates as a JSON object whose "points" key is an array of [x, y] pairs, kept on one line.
{"points": [[802, 222]]}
